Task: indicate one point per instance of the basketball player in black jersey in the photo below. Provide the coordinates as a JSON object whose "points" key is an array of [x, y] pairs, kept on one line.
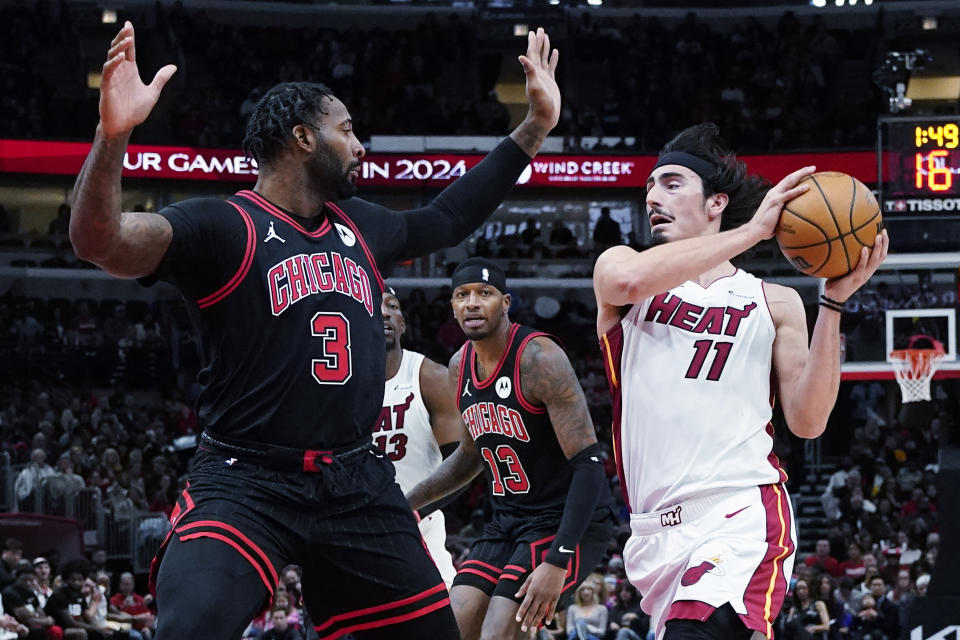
{"points": [[526, 425], [283, 285]]}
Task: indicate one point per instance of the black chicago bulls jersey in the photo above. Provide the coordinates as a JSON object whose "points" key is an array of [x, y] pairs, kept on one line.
{"points": [[528, 470], [292, 339]]}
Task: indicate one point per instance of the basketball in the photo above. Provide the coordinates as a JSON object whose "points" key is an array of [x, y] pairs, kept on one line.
{"points": [[822, 231]]}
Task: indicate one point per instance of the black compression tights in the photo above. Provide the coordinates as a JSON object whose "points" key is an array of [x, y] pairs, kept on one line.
{"points": [[724, 624]]}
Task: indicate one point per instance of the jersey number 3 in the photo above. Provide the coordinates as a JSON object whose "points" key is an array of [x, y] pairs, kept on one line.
{"points": [[335, 366], [515, 479]]}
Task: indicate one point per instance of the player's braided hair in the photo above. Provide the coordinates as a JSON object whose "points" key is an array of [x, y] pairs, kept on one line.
{"points": [[279, 110], [745, 191]]}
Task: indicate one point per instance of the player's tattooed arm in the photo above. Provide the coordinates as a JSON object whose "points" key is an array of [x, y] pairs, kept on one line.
{"points": [[547, 378], [123, 244], [456, 471]]}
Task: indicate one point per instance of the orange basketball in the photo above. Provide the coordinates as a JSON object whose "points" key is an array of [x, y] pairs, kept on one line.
{"points": [[822, 231]]}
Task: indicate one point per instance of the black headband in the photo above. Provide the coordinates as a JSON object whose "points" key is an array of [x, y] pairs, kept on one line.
{"points": [[703, 168], [474, 270]]}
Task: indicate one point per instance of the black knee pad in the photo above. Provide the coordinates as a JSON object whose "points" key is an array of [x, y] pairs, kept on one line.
{"points": [[723, 624]]}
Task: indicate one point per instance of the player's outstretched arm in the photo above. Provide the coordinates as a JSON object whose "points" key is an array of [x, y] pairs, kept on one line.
{"points": [[465, 204], [546, 377], [543, 94], [808, 378], [461, 467], [123, 244], [623, 276]]}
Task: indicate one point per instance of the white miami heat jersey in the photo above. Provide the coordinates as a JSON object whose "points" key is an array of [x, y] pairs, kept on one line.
{"points": [[404, 431], [690, 375]]}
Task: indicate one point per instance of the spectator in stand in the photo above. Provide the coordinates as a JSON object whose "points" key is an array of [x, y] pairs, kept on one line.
{"points": [[822, 558], [281, 630], [31, 477], [9, 557], [44, 589], [853, 567], [627, 621], [866, 624], [68, 605], [11, 629], [606, 233], [807, 617], [870, 569], [60, 225], [587, 617], [133, 604], [20, 600], [888, 614], [835, 607]]}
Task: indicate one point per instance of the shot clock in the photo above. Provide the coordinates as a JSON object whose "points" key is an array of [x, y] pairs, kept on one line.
{"points": [[919, 165]]}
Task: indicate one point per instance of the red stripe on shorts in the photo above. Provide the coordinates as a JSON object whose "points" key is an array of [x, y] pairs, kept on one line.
{"points": [[768, 586]]}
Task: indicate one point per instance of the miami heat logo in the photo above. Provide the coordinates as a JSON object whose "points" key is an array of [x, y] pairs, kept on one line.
{"points": [[701, 567]]}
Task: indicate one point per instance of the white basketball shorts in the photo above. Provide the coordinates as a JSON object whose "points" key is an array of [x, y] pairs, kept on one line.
{"points": [[434, 531], [734, 546]]}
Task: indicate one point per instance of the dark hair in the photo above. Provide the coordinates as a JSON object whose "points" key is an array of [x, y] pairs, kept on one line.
{"points": [[279, 110], [12, 544], [745, 191], [77, 565]]}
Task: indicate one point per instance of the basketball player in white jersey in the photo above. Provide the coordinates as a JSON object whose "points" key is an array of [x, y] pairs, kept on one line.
{"points": [[696, 350], [419, 425]]}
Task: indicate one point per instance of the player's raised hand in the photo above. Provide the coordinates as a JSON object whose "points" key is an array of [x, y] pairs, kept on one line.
{"points": [[768, 213], [840, 289], [540, 592], [543, 94], [125, 101]]}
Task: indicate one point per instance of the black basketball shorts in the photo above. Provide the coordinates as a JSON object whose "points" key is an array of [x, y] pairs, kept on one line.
{"points": [[509, 549], [349, 527]]}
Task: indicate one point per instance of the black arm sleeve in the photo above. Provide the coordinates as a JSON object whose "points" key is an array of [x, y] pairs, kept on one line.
{"points": [[455, 213], [585, 487], [446, 450], [463, 206]]}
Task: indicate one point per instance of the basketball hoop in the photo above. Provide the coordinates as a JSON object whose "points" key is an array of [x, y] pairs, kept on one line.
{"points": [[914, 367]]}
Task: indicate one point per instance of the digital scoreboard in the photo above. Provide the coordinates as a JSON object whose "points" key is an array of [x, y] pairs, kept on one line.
{"points": [[919, 165]]}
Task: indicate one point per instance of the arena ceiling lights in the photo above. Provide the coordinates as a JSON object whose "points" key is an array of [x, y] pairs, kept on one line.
{"points": [[841, 3]]}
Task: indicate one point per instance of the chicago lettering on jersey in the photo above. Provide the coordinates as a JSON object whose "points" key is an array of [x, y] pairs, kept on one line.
{"points": [[299, 276], [490, 417], [392, 417], [673, 310]]}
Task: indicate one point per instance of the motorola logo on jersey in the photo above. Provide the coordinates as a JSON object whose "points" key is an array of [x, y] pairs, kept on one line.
{"points": [[300, 276], [504, 387], [667, 308], [346, 235], [488, 417]]}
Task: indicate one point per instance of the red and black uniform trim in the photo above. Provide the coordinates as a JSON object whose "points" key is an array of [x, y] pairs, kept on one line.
{"points": [[386, 614], [484, 570]]}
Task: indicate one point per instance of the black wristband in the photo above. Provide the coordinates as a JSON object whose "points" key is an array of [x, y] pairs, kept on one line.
{"points": [[831, 300], [833, 307]]}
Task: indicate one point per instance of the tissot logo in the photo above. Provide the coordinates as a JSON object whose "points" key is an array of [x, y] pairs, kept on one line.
{"points": [[921, 204]]}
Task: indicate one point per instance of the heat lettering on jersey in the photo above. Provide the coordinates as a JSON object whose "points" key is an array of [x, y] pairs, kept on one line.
{"points": [[391, 417], [303, 275], [490, 417], [668, 308]]}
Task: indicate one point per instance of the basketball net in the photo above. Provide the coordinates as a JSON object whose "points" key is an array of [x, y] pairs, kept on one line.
{"points": [[914, 368]]}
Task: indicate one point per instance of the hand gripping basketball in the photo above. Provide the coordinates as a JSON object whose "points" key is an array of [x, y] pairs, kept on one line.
{"points": [[765, 220]]}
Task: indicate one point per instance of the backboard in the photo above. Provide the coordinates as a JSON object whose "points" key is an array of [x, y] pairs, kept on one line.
{"points": [[911, 294]]}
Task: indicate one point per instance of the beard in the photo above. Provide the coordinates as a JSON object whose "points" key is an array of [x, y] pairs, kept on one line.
{"points": [[657, 238], [330, 175]]}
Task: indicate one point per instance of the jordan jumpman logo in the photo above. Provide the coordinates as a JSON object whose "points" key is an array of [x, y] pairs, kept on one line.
{"points": [[272, 235]]}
